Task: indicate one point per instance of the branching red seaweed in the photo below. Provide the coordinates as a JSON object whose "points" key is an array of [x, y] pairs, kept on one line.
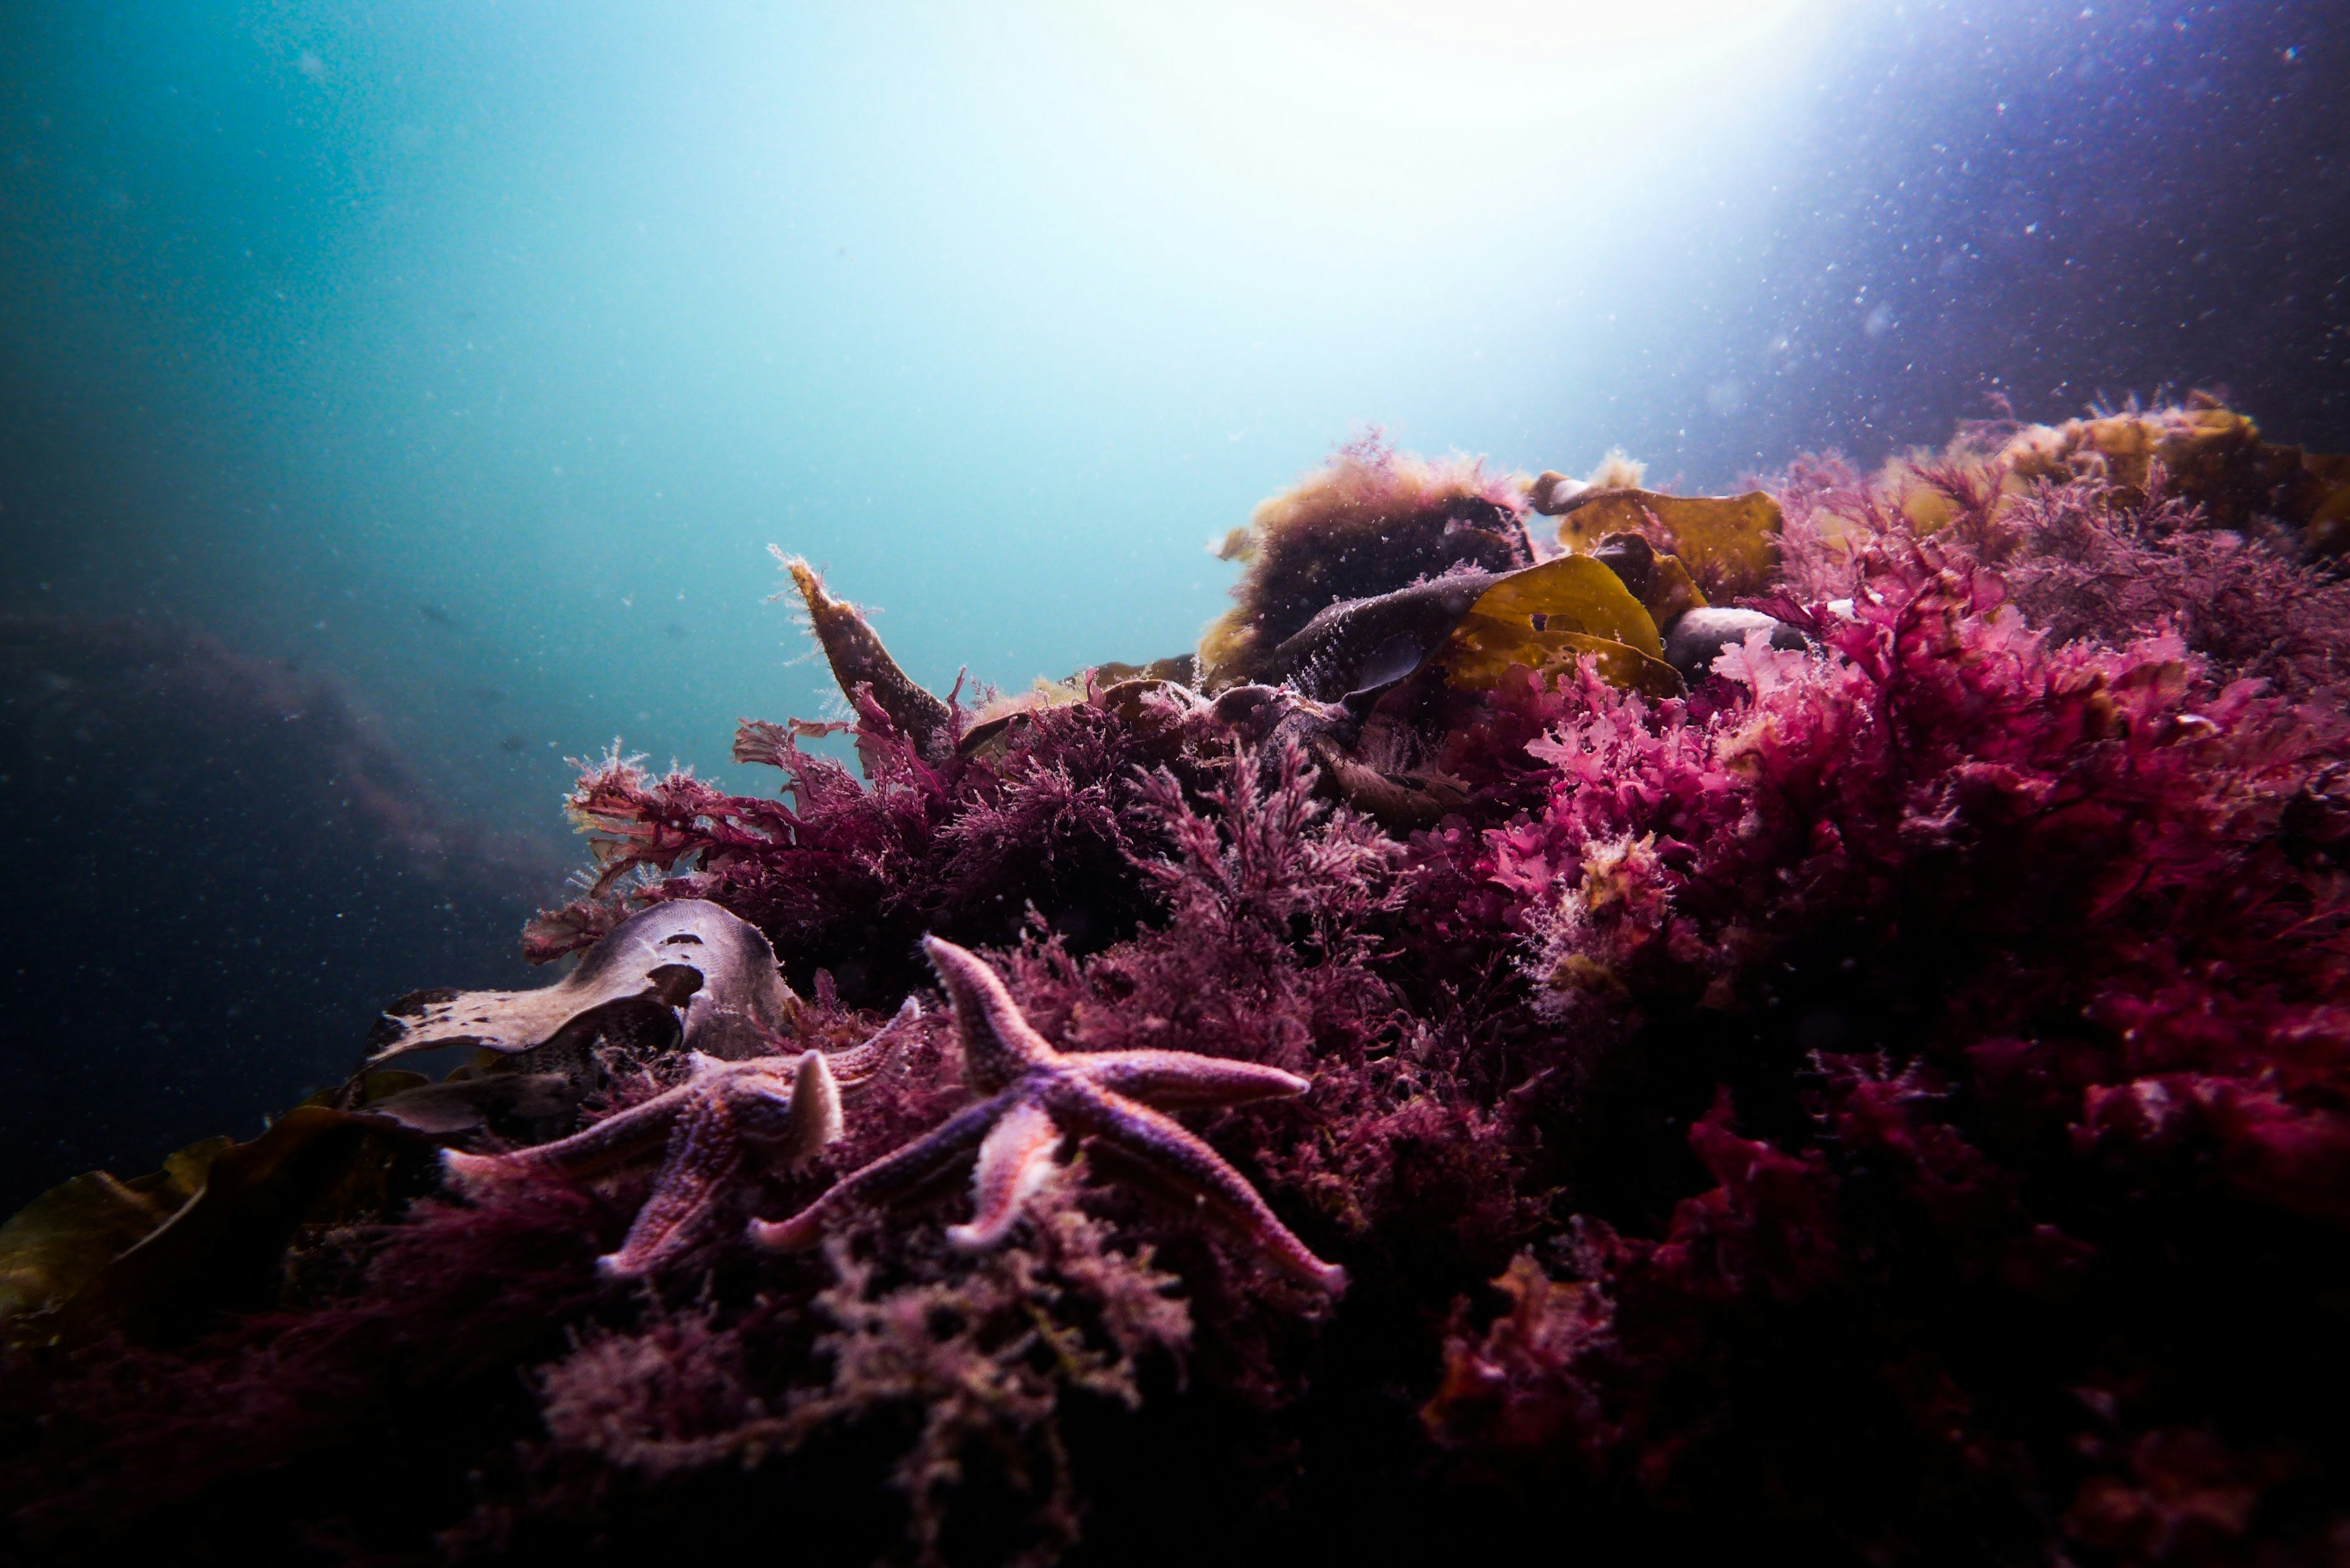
{"points": [[1889, 1103]]}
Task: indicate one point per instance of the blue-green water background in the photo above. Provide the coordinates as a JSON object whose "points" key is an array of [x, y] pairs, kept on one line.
{"points": [[471, 356]]}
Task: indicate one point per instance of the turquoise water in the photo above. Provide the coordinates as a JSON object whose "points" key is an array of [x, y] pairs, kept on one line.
{"points": [[475, 353], [479, 352], [470, 356]]}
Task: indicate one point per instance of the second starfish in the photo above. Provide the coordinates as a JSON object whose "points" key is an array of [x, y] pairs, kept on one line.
{"points": [[1033, 1094]]}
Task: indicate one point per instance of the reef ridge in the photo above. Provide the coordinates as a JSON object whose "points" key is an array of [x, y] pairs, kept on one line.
{"points": [[1814, 1021]]}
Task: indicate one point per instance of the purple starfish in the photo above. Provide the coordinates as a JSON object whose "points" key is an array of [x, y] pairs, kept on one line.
{"points": [[787, 1108], [1033, 1094]]}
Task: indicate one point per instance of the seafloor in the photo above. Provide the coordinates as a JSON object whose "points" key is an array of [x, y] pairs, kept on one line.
{"points": [[1579, 1020]]}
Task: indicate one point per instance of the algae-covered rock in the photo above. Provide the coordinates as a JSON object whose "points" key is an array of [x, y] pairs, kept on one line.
{"points": [[1660, 581], [1372, 522]]}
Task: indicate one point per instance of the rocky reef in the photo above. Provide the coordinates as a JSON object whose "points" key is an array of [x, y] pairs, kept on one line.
{"points": [[1815, 1021], [230, 853]]}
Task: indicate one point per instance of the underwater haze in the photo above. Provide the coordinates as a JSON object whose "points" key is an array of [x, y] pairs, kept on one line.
{"points": [[452, 366]]}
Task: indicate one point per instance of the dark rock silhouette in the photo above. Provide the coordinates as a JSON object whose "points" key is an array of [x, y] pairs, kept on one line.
{"points": [[226, 875]]}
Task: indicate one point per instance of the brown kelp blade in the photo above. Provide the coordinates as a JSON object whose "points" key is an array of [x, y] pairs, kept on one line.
{"points": [[153, 1255], [857, 659], [1658, 580], [1548, 615], [1498, 648], [1729, 543], [62, 1240], [2208, 454]]}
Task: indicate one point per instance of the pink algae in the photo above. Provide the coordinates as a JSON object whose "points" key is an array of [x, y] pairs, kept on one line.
{"points": [[1892, 1104]]}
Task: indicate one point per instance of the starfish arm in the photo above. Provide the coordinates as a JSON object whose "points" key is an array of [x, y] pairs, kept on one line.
{"points": [[1179, 1080], [894, 1173], [1013, 1164], [610, 1142], [816, 1111], [703, 1150], [860, 1062], [1165, 1143], [998, 1044], [794, 1124]]}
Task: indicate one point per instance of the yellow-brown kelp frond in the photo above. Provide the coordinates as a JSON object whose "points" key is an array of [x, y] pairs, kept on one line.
{"points": [[62, 1240], [151, 1256], [1550, 615], [2213, 455], [857, 659], [1729, 544], [1370, 522], [1659, 581], [2206, 454]]}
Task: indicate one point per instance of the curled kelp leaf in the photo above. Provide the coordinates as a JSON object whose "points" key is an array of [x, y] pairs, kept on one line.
{"points": [[1729, 543], [222, 1248], [687, 962], [1659, 581], [857, 659], [1547, 615], [62, 1241], [152, 1256]]}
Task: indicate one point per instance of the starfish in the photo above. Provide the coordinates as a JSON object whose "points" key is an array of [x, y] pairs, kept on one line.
{"points": [[1031, 1093], [787, 1108]]}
